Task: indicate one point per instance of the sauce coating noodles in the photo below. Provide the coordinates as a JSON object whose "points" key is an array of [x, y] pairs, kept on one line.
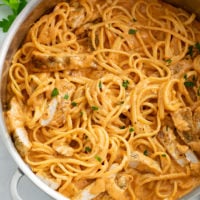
{"points": [[105, 100]]}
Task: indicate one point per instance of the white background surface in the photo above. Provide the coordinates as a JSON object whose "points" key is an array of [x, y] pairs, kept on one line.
{"points": [[27, 190]]}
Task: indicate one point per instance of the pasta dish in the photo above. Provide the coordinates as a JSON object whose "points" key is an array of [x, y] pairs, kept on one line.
{"points": [[104, 100]]}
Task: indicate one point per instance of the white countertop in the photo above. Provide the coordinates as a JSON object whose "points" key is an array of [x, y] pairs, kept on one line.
{"points": [[27, 190]]}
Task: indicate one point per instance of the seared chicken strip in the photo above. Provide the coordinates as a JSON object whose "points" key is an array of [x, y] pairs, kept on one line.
{"points": [[15, 118], [187, 124], [114, 185], [143, 163], [42, 62], [180, 153]]}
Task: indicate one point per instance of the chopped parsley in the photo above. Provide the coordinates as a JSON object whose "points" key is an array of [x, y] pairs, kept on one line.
{"points": [[190, 50], [122, 127], [55, 92], [88, 149], [98, 158], [125, 84], [100, 85], [163, 155], [189, 84], [131, 129], [197, 46], [168, 61], [66, 96], [146, 153], [95, 108], [132, 31], [74, 104]]}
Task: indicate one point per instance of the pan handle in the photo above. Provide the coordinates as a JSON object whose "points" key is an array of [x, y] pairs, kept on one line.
{"points": [[14, 184]]}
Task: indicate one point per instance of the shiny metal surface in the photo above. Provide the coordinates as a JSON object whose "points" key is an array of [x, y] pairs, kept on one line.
{"points": [[14, 38], [188, 5]]}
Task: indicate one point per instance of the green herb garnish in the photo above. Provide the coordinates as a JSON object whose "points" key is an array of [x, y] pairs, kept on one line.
{"points": [[131, 129], [168, 61], [95, 108], [146, 152], [66, 96], [197, 46], [132, 31], [98, 158], [55, 92], [122, 127], [74, 104], [100, 85], [190, 50], [189, 84], [16, 7], [88, 149], [163, 155], [125, 84]]}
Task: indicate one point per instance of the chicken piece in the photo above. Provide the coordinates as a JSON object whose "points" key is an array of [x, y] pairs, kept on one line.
{"points": [[15, 120], [188, 127], [91, 191], [117, 184], [180, 68], [50, 113], [111, 187], [59, 106], [195, 169], [65, 87], [168, 140], [21, 141], [182, 119], [15, 116], [196, 122], [143, 163], [61, 147], [181, 153], [42, 62], [77, 15], [51, 182], [191, 157], [183, 122]]}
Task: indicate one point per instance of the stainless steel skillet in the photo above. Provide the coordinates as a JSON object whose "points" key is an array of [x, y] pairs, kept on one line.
{"points": [[15, 36]]}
